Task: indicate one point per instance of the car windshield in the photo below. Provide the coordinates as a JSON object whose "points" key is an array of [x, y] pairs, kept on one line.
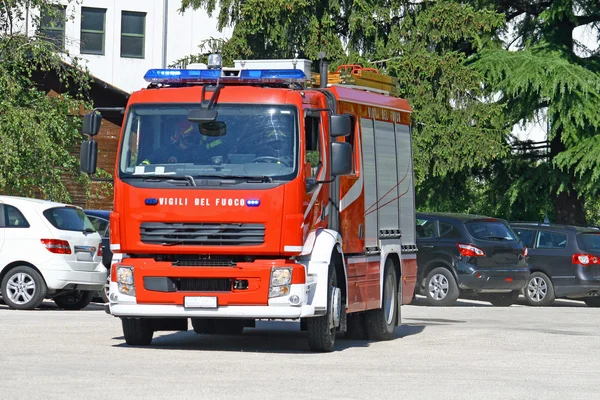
{"points": [[253, 141], [490, 230], [69, 219], [589, 242]]}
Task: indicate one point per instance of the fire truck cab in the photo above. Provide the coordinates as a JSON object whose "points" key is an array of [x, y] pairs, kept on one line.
{"points": [[246, 194]]}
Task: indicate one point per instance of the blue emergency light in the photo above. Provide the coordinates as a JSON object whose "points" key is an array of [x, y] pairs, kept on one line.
{"points": [[170, 76]]}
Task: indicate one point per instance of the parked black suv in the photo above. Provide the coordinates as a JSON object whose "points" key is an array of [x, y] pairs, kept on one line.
{"points": [[564, 261], [469, 255]]}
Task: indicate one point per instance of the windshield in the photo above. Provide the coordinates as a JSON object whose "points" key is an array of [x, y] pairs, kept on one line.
{"points": [[251, 141]]}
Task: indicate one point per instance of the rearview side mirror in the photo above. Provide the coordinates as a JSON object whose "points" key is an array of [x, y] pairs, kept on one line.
{"points": [[88, 157], [341, 125], [341, 159], [91, 123]]}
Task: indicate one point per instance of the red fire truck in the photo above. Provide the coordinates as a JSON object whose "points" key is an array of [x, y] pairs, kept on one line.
{"points": [[245, 194]]}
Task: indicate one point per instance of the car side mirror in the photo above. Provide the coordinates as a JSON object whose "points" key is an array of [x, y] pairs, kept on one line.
{"points": [[341, 158], [341, 125], [91, 123], [88, 157]]}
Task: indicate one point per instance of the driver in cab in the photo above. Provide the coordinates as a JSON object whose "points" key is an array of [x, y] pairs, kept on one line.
{"points": [[187, 146]]}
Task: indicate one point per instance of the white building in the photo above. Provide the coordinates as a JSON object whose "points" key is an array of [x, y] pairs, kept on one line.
{"points": [[121, 39]]}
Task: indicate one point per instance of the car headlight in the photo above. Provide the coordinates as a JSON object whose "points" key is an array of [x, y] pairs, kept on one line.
{"points": [[281, 276], [125, 275], [125, 280]]}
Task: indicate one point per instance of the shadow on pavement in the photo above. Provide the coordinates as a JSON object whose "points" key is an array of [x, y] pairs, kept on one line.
{"points": [[267, 337]]}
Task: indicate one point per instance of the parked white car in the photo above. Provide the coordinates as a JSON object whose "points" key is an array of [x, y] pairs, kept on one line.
{"points": [[48, 250]]}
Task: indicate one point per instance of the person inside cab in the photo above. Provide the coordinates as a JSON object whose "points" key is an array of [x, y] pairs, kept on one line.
{"points": [[188, 145]]}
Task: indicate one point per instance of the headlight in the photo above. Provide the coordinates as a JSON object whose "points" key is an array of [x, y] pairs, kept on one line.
{"points": [[125, 275], [125, 280], [279, 291], [281, 276]]}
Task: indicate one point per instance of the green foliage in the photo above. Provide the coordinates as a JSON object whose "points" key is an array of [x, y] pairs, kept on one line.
{"points": [[38, 133]]}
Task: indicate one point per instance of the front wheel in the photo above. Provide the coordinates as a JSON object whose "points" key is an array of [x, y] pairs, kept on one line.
{"points": [[321, 330], [23, 288], [381, 322], [137, 331], [74, 300]]}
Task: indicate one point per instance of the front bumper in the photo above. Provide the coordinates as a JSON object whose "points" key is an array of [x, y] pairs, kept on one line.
{"points": [[494, 279], [121, 305]]}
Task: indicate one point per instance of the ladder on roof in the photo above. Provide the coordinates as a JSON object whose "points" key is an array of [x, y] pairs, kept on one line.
{"points": [[356, 76]]}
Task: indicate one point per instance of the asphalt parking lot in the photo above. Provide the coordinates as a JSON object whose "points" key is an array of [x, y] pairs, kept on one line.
{"points": [[470, 351]]}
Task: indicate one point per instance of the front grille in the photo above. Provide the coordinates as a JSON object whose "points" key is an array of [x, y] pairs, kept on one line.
{"points": [[202, 284], [203, 234], [204, 263]]}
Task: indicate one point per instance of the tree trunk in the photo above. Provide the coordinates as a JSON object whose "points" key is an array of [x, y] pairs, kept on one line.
{"points": [[568, 205], [569, 208]]}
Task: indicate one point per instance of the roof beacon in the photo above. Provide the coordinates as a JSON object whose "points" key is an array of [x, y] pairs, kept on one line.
{"points": [[191, 76]]}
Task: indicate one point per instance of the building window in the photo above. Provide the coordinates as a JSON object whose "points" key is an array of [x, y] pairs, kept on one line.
{"points": [[92, 30], [52, 24], [133, 26]]}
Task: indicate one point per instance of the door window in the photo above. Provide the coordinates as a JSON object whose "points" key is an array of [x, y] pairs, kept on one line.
{"points": [[425, 227], [313, 146], [12, 217], [526, 236], [448, 231], [551, 240], [100, 224]]}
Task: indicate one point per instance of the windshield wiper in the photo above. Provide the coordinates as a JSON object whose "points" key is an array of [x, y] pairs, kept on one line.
{"points": [[164, 177], [89, 230], [496, 237], [250, 178]]}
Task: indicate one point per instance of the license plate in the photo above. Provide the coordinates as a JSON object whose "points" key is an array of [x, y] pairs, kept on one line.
{"points": [[200, 302]]}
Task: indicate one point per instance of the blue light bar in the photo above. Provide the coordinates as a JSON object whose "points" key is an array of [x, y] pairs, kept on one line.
{"points": [[182, 75], [170, 76], [269, 74]]}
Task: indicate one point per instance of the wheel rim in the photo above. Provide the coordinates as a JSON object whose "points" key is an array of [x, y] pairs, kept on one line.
{"points": [[438, 287], [107, 286], [537, 289], [21, 288], [389, 305]]}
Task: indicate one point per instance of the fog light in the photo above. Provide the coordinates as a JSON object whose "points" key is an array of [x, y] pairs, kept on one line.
{"points": [[279, 291], [294, 300]]}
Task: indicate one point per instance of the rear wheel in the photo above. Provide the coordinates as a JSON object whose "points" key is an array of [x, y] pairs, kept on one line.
{"points": [[503, 299], [23, 288], [137, 332], [74, 300], [321, 330], [441, 288], [381, 322], [592, 301], [539, 290], [106, 289]]}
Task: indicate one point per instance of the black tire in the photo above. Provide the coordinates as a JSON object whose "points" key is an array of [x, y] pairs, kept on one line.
{"points": [[105, 290], [539, 290], [441, 288], [137, 331], [204, 326], [27, 288], [592, 301], [380, 323], [356, 329], [503, 299], [321, 337], [74, 300]]}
